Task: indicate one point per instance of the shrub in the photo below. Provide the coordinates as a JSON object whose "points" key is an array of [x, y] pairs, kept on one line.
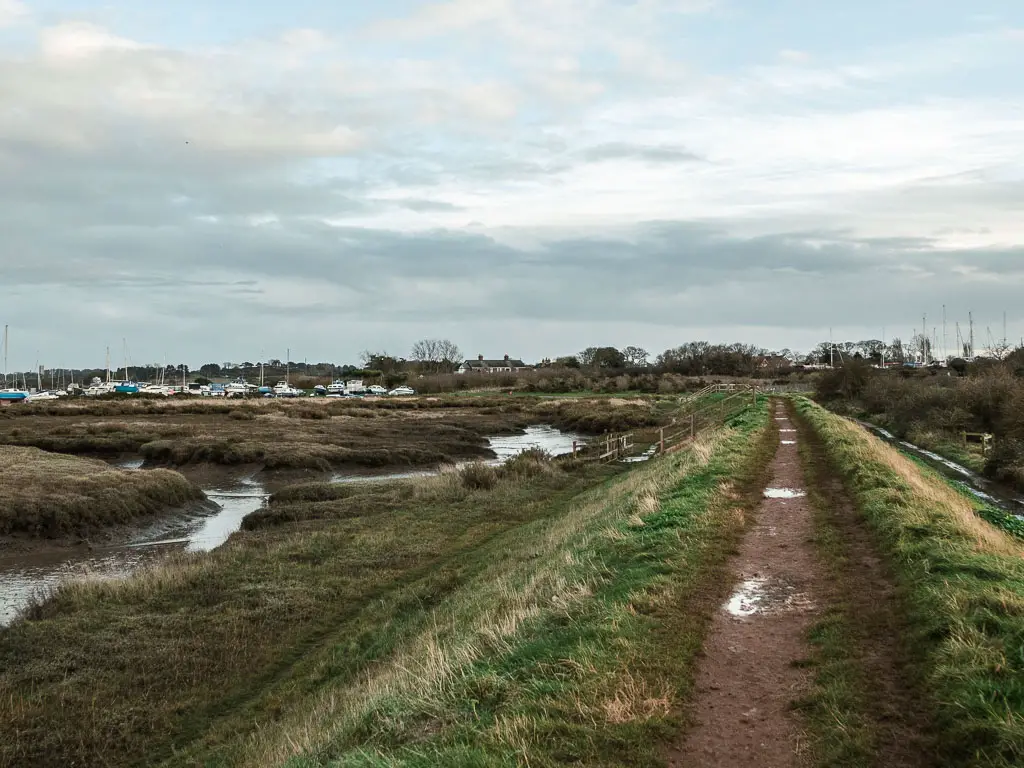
{"points": [[479, 477]]}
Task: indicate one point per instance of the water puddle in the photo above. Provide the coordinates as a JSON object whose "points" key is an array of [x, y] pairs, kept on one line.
{"points": [[787, 430], [764, 597], [645, 456], [789, 442], [783, 493]]}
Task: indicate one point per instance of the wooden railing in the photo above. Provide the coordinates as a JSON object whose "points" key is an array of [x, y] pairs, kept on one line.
{"points": [[697, 413]]}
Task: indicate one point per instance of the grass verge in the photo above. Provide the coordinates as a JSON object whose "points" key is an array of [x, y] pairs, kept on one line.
{"points": [[546, 612], [962, 582], [865, 709], [47, 495]]}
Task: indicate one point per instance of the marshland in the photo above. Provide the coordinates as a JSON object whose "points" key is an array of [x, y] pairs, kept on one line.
{"points": [[420, 583]]}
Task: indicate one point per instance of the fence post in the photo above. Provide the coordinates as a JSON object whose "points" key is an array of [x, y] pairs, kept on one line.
{"points": [[574, 449], [661, 441], [753, 389], [691, 427]]}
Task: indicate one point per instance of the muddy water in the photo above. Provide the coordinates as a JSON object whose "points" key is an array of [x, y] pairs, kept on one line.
{"points": [[23, 575], [195, 529], [984, 489], [549, 439]]}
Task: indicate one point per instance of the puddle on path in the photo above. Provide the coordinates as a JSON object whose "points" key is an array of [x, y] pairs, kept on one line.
{"points": [[787, 430], [789, 442], [783, 493], [764, 597]]}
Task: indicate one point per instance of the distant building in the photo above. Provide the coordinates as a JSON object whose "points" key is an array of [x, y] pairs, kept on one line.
{"points": [[505, 365]]}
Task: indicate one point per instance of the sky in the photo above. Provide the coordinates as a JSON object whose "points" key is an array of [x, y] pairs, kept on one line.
{"points": [[226, 181]]}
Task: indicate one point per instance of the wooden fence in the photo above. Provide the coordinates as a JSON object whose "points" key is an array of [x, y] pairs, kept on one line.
{"points": [[710, 407]]}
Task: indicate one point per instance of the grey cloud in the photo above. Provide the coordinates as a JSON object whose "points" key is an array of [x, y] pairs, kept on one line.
{"points": [[649, 154]]}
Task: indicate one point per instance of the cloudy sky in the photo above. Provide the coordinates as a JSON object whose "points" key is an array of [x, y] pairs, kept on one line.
{"points": [[221, 181]]}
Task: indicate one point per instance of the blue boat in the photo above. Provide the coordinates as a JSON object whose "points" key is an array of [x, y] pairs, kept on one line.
{"points": [[10, 394]]}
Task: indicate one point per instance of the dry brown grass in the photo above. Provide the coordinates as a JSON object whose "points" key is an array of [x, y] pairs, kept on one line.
{"points": [[51, 495], [939, 499]]}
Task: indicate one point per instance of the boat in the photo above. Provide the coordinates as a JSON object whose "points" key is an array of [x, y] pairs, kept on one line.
{"points": [[156, 389], [284, 389], [10, 394], [336, 387], [238, 388], [42, 396]]}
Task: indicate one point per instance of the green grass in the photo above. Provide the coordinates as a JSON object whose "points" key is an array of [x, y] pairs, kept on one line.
{"points": [[550, 615], [47, 495], [962, 582]]}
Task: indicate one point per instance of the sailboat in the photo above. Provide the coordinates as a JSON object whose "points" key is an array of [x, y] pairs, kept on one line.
{"points": [[10, 394], [126, 386]]}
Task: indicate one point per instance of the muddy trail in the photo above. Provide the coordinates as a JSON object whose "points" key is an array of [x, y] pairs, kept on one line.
{"points": [[755, 666]]}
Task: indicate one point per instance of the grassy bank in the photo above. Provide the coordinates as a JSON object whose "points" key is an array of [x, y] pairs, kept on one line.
{"points": [[52, 496], [934, 412], [538, 613], [961, 581]]}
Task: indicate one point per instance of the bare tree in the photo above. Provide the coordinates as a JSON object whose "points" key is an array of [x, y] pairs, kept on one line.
{"points": [[436, 355]]}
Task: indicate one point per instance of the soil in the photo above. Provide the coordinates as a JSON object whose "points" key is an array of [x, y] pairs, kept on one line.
{"points": [[749, 673]]}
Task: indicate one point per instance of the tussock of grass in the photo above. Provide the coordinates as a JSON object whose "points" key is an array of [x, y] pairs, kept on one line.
{"points": [[964, 583], [52, 496]]}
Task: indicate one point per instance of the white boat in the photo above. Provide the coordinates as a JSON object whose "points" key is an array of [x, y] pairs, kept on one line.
{"points": [[36, 397], [402, 391], [239, 388], [284, 389], [156, 389], [336, 387], [376, 389]]}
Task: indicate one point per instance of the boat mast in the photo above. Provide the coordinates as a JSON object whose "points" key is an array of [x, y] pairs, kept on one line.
{"points": [[945, 348], [5, 355], [108, 365]]}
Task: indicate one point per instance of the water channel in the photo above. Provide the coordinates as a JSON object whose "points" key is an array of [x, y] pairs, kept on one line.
{"points": [[991, 493], [203, 528]]}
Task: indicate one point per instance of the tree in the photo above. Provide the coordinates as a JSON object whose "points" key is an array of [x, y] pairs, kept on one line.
{"points": [[602, 357], [569, 361], [896, 353], [922, 347], [436, 355], [635, 357], [381, 361]]}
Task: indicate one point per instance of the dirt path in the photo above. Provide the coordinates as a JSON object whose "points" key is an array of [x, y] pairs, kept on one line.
{"points": [[749, 674]]}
